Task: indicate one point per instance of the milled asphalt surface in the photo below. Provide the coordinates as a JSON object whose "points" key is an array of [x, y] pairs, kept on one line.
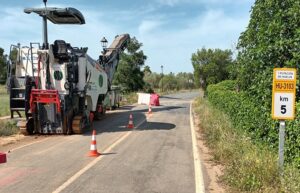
{"points": [[155, 157]]}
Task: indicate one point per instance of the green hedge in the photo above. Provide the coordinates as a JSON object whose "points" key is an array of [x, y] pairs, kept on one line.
{"points": [[254, 117]]}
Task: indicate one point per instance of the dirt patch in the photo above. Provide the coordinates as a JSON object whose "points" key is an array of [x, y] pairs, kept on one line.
{"points": [[211, 170], [5, 141], [9, 143]]}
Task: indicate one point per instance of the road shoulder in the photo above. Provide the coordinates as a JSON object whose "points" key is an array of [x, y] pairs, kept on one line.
{"points": [[211, 171]]}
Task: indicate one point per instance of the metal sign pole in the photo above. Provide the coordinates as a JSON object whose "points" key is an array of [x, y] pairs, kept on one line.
{"points": [[283, 104], [281, 145]]}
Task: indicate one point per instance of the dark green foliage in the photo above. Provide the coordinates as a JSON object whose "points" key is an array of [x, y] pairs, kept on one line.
{"points": [[3, 67], [270, 41], [147, 70], [211, 66], [171, 81], [184, 80], [246, 114], [152, 79], [129, 74], [249, 167]]}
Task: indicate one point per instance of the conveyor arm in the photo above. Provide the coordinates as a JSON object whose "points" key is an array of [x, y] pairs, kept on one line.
{"points": [[110, 58]]}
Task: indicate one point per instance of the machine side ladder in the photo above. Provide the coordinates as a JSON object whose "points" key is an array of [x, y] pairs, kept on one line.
{"points": [[18, 85]]}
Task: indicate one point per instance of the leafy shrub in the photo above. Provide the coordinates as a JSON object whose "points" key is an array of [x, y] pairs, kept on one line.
{"points": [[129, 98], [291, 179], [254, 117], [249, 167], [8, 128]]}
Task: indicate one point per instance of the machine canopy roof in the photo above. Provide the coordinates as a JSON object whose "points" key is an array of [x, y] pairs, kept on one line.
{"points": [[67, 15]]}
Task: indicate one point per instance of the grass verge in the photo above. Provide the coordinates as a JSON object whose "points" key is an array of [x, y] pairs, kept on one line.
{"points": [[8, 127], [129, 98], [249, 167], [4, 104]]}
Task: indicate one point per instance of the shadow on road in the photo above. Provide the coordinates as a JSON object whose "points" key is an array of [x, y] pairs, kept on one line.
{"points": [[112, 153], [118, 121], [168, 97], [156, 126], [154, 109]]}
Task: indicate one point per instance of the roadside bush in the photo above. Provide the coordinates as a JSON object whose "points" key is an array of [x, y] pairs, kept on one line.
{"points": [[291, 179], [8, 128], [129, 98], [250, 115], [249, 167]]}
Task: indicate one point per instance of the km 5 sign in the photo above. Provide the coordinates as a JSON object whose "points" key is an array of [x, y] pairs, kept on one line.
{"points": [[283, 96]]}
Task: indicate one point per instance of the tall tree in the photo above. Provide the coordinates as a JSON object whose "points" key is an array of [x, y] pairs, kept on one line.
{"points": [[129, 74], [3, 67], [185, 80], [271, 40], [211, 66], [151, 79], [169, 82], [147, 70]]}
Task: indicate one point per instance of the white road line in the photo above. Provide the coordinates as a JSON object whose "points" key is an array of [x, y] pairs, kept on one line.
{"points": [[91, 164], [199, 182], [20, 147]]}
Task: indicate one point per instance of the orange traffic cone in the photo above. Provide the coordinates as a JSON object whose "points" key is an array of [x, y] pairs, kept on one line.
{"points": [[93, 149], [150, 109], [130, 124]]}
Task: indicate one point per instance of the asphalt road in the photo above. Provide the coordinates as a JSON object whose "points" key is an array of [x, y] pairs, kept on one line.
{"points": [[156, 156]]}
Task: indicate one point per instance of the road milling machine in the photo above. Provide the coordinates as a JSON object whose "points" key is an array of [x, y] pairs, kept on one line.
{"points": [[59, 87]]}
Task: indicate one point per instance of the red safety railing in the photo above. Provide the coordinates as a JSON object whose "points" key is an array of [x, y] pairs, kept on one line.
{"points": [[44, 96]]}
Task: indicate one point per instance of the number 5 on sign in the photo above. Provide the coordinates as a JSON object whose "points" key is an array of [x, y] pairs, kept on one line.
{"points": [[283, 96]]}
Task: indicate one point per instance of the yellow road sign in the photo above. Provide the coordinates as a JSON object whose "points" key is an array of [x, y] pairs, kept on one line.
{"points": [[283, 96]]}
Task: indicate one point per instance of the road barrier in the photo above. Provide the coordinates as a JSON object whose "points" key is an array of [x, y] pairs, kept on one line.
{"points": [[2, 158], [144, 98], [130, 123], [93, 150], [150, 109]]}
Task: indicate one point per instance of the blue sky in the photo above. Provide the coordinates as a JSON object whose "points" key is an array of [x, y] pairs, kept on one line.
{"points": [[170, 30]]}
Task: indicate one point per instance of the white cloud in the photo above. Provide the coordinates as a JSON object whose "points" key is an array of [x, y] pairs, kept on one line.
{"points": [[18, 27], [147, 26], [173, 47], [173, 3], [166, 42]]}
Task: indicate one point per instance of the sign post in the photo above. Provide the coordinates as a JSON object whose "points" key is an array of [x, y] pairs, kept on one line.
{"points": [[281, 145], [283, 103]]}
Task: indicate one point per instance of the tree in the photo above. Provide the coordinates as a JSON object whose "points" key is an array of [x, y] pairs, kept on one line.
{"points": [[129, 74], [169, 82], [147, 70], [271, 40], [3, 67], [182, 80], [211, 66], [185, 80], [152, 79]]}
